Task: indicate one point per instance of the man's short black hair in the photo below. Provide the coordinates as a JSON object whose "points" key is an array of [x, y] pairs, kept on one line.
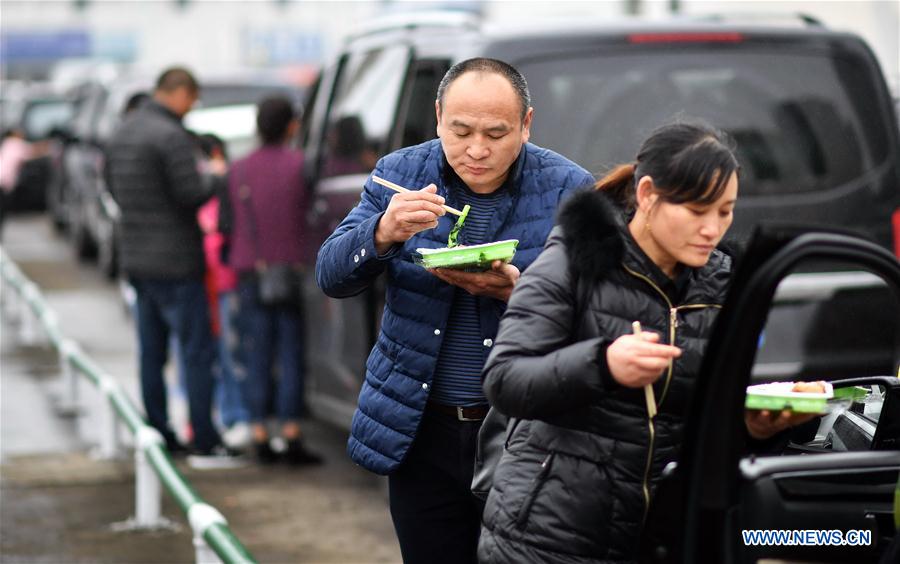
{"points": [[177, 77], [273, 117], [484, 64]]}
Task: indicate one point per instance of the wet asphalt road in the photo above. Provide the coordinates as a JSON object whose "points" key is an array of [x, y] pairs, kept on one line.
{"points": [[59, 501]]}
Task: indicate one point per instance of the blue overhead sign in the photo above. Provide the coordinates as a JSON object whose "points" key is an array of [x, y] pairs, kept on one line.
{"points": [[18, 46]]}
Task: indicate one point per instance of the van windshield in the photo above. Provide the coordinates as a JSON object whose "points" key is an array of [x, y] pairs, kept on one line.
{"points": [[802, 122]]}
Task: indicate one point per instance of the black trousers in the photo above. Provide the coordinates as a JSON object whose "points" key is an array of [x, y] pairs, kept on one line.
{"points": [[6, 199], [436, 517]]}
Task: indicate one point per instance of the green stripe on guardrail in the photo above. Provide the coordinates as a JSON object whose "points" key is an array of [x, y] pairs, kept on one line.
{"points": [[183, 493], [223, 541], [217, 535], [86, 366]]}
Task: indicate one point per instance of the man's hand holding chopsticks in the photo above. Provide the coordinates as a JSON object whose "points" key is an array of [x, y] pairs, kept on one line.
{"points": [[407, 214]]}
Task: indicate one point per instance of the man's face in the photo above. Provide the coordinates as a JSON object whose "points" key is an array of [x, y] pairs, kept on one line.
{"points": [[182, 99], [481, 129]]}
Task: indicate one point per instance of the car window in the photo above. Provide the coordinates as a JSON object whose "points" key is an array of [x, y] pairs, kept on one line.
{"points": [[798, 124], [235, 125], [418, 122], [832, 326], [804, 336], [828, 326], [41, 117], [363, 109], [85, 119]]}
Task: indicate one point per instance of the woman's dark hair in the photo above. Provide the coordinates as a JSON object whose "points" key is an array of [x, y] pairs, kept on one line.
{"points": [[485, 65], [209, 143], [273, 117], [135, 101], [688, 162]]}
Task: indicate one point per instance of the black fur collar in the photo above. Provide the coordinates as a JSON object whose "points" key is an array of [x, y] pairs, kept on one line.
{"points": [[592, 230]]}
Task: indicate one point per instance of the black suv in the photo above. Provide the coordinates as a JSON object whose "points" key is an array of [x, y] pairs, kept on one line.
{"points": [[814, 123]]}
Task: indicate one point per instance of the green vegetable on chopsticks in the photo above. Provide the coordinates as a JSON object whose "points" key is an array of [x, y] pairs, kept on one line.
{"points": [[452, 240]]}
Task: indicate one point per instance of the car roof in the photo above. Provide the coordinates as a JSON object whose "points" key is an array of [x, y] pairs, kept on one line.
{"points": [[454, 32], [621, 26]]}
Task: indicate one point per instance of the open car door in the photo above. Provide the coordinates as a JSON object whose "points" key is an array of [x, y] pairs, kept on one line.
{"points": [[830, 493]]}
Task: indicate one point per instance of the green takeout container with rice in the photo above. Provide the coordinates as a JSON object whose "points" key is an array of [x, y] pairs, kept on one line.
{"points": [[779, 395], [473, 258]]}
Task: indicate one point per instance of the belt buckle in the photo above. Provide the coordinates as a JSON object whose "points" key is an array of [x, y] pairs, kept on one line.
{"points": [[461, 417]]}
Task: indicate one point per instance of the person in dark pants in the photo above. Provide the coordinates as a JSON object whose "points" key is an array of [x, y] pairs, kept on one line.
{"points": [[624, 296], [421, 403], [14, 152], [154, 178], [266, 203]]}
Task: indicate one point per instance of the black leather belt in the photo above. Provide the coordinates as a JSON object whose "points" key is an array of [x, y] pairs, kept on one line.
{"points": [[473, 413]]}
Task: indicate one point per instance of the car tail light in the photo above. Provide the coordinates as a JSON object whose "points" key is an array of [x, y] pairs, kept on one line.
{"points": [[895, 219], [698, 37]]}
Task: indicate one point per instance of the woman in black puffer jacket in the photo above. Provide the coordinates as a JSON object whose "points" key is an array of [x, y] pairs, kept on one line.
{"points": [[576, 480]]}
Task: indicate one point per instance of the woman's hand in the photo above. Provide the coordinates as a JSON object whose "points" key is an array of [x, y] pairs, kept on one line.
{"points": [[637, 360], [763, 424]]}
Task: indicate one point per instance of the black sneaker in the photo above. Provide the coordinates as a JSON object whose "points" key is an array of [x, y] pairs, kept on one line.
{"points": [[217, 457], [297, 454], [176, 449], [264, 453]]}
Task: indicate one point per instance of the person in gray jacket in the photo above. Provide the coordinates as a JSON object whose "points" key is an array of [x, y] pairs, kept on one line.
{"points": [[154, 178]]}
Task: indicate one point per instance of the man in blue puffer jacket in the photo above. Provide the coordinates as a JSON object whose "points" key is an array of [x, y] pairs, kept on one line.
{"points": [[421, 404]]}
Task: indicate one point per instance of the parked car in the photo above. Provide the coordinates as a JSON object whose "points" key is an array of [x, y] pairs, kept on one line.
{"points": [[808, 107], [84, 99], [92, 211], [841, 477], [42, 114]]}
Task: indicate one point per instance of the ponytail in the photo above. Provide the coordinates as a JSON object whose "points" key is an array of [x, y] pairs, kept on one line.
{"points": [[618, 184]]}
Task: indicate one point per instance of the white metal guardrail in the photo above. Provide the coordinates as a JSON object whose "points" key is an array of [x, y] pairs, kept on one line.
{"points": [[214, 542]]}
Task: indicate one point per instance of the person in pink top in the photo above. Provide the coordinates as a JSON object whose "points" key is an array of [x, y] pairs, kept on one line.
{"points": [[14, 151], [221, 285]]}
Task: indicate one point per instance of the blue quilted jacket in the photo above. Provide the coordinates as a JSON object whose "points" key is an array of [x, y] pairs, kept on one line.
{"points": [[400, 367]]}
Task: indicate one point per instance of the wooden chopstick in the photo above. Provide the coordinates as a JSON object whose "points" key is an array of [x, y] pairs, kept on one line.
{"points": [[401, 189], [649, 396]]}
